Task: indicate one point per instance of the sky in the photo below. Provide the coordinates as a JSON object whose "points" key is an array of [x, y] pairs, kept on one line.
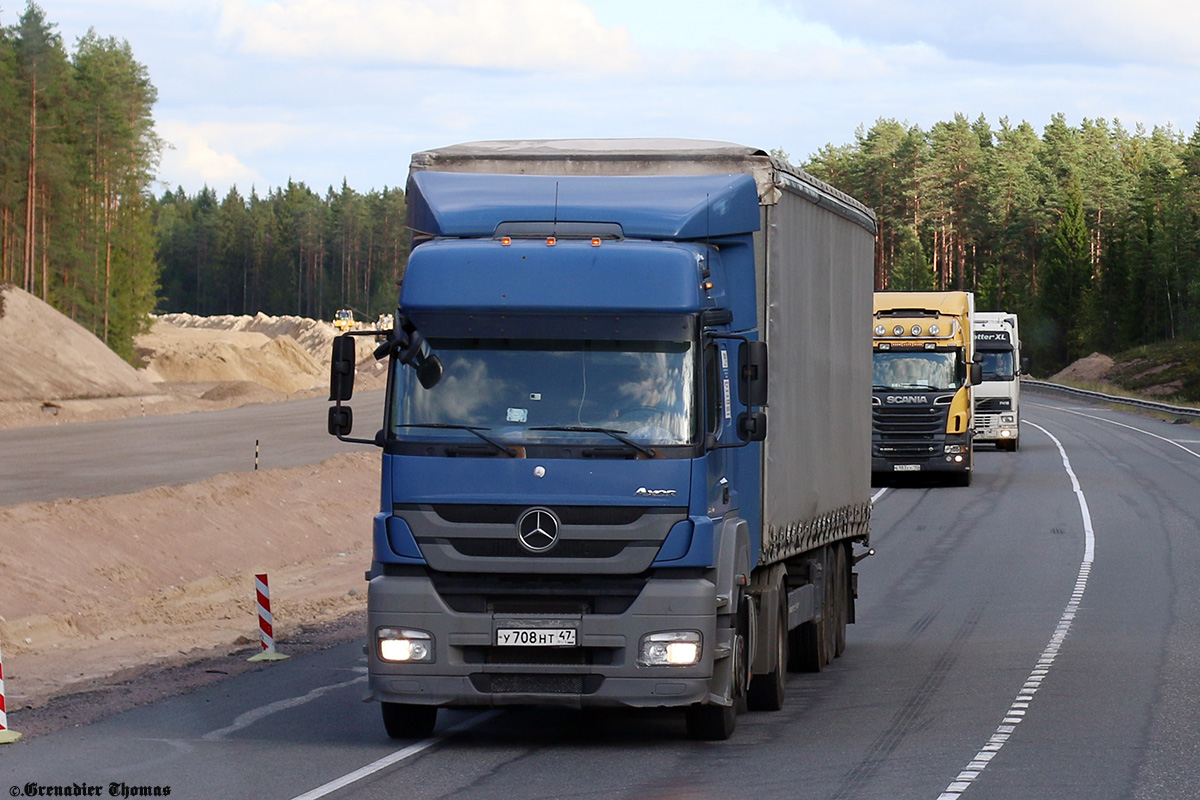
{"points": [[254, 94]]}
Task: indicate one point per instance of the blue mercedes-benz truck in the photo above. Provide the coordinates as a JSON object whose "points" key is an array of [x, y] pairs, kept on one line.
{"points": [[589, 497]]}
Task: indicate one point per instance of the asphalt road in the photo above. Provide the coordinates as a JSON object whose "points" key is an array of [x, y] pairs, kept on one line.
{"points": [[1035, 635], [94, 459]]}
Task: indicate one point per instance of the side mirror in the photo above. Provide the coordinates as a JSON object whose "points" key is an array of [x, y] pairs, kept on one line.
{"points": [[1024, 365], [752, 426], [341, 370], [429, 371], [341, 420], [752, 373], [976, 374]]}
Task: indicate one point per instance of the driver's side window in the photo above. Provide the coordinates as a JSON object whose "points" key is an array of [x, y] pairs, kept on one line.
{"points": [[712, 388]]}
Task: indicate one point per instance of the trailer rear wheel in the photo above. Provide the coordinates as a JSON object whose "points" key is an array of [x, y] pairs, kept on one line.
{"points": [[407, 721], [809, 643], [841, 599]]}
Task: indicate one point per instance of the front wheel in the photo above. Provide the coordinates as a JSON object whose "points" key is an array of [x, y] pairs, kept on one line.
{"points": [[711, 723], [767, 691], [407, 721]]}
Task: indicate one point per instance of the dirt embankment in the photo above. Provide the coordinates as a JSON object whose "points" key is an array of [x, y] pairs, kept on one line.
{"points": [[93, 587], [98, 585]]}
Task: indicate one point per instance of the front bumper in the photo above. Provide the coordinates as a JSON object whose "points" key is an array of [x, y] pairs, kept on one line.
{"points": [[469, 669], [996, 428], [953, 454]]}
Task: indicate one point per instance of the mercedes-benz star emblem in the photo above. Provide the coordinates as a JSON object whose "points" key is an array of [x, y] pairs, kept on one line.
{"points": [[537, 528]]}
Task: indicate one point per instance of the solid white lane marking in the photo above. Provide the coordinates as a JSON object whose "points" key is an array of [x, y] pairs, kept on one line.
{"points": [[394, 758], [1020, 705], [1175, 442], [879, 494]]}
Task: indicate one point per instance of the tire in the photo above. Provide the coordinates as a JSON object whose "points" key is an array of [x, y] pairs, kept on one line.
{"points": [[809, 645], [406, 721], [841, 599], [829, 614], [767, 691], [711, 723]]}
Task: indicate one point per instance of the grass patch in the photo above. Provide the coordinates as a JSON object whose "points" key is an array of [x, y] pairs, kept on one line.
{"points": [[1165, 371]]}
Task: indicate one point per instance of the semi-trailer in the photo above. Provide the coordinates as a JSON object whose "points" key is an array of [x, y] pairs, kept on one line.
{"points": [[582, 501]]}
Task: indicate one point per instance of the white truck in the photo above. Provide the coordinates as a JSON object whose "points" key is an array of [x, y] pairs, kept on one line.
{"points": [[997, 399]]}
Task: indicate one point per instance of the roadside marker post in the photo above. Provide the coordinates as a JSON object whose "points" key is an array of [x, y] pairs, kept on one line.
{"points": [[7, 735], [266, 629]]}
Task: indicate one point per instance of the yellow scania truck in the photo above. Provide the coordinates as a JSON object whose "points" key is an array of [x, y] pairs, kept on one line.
{"points": [[921, 403]]}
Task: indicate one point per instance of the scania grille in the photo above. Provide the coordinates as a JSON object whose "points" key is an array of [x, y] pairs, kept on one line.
{"points": [[908, 431]]}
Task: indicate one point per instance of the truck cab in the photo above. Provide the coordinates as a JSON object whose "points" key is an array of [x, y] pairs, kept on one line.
{"points": [[924, 370], [998, 397]]}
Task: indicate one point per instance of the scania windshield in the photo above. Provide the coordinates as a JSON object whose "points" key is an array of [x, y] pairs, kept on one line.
{"points": [[551, 391], [927, 369]]}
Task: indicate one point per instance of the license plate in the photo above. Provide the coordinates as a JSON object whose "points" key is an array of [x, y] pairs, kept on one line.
{"points": [[906, 467], [536, 637]]}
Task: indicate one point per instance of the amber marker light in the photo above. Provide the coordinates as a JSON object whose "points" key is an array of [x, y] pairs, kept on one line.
{"points": [[551, 241], [506, 240], [595, 241]]}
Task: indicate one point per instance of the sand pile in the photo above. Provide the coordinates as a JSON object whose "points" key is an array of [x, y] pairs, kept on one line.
{"points": [[314, 335], [195, 355], [1091, 369], [45, 356]]}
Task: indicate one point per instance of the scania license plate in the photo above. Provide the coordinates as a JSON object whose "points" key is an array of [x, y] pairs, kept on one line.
{"points": [[536, 637], [906, 467]]}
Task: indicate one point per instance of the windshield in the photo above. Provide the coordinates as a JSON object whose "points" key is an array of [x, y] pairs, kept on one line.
{"points": [[510, 388], [921, 370], [997, 365]]}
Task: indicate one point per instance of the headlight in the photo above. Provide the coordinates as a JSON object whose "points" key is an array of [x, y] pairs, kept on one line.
{"points": [[880, 330], [898, 330], [404, 646], [954, 448], [934, 330], [916, 330], [670, 649]]}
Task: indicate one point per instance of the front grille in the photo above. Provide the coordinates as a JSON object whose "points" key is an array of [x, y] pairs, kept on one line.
{"points": [[511, 548], [479, 514], [909, 431], [993, 405], [530, 656], [527, 594]]}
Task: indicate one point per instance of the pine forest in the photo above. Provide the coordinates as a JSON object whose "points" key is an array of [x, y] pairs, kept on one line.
{"points": [[1090, 232]]}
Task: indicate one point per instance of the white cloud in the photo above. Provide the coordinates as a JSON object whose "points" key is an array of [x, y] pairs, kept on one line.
{"points": [[1023, 31], [204, 154], [480, 34]]}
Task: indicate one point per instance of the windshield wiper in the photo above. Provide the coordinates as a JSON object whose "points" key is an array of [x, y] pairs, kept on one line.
{"points": [[454, 427], [647, 451]]}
